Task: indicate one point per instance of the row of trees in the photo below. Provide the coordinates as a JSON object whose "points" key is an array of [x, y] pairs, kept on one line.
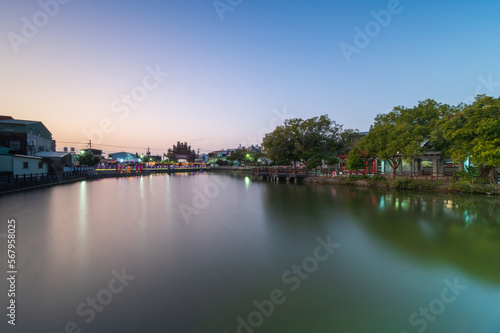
{"points": [[458, 132], [465, 131]]}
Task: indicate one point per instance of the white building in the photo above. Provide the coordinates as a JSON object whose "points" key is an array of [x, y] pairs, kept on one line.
{"points": [[22, 165]]}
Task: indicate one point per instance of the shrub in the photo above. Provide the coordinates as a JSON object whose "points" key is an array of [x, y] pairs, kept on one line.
{"points": [[378, 179], [411, 184]]}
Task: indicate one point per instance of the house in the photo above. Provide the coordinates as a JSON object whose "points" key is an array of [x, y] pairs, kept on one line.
{"points": [[24, 137], [59, 161], [218, 155], [19, 165]]}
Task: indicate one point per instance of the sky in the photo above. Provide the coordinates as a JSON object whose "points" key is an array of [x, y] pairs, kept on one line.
{"points": [[216, 74]]}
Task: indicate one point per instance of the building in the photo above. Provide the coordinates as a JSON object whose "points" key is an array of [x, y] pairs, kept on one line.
{"points": [[214, 156], [59, 161], [181, 153], [124, 157], [95, 152], [19, 165], [25, 137], [251, 149]]}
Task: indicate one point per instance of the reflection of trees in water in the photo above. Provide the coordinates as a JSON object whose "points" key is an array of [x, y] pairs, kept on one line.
{"points": [[459, 230], [307, 205]]}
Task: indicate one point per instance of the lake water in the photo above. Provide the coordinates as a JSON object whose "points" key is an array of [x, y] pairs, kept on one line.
{"points": [[220, 253]]}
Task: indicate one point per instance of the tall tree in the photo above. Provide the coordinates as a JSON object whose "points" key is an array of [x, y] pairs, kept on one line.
{"points": [[237, 156], [473, 131], [88, 159], [405, 132], [308, 141]]}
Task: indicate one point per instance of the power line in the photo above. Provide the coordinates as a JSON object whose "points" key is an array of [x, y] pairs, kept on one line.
{"points": [[105, 145]]}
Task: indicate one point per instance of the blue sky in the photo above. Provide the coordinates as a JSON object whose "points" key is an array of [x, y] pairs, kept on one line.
{"points": [[231, 80]]}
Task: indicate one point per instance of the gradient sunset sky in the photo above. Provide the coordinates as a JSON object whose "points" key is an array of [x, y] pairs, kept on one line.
{"points": [[234, 75]]}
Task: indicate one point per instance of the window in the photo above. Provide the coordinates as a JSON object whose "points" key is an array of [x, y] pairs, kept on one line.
{"points": [[39, 133], [15, 145], [40, 165], [31, 131], [25, 165], [9, 128]]}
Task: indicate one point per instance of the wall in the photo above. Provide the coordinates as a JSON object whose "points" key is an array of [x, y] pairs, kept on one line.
{"points": [[33, 168]]}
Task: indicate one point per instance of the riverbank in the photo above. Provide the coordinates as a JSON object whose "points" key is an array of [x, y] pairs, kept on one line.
{"points": [[23, 186], [408, 184]]}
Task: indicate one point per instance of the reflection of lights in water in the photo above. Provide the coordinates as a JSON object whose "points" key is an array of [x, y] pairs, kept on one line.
{"points": [[334, 192], [382, 202], [247, 182], [448, 204], [466, 217]]}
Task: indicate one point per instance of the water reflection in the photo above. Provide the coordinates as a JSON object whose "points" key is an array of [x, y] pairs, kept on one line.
{"points": [[460, 230]]}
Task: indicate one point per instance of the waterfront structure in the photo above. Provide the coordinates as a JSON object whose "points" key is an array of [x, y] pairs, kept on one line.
{"points": [[181, 153], [19, 165], [25, 137]]}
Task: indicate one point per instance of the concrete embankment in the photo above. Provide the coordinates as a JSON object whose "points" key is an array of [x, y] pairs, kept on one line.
{"points": [[22, 186]]}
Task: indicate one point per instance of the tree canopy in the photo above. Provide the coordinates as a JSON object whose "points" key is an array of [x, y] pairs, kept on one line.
{"points": [[404, 132], [88, 159], [473, 131], [308, 141]]}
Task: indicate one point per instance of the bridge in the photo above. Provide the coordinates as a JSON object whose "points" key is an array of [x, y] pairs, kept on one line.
{"points": [[280, 173]]}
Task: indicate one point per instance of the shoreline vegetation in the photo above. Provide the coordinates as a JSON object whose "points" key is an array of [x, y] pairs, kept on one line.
{"points": [[399, 183], [407, 184]]}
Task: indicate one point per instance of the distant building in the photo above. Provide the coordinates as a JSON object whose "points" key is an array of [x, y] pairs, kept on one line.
{"points": [[252, 148], [124, 157], [24, 137], [95, 152], [181, 153], [214, 156]]}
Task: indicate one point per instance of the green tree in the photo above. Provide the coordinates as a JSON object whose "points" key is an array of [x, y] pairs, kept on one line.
{"points": [[221, 162], [356, 159], [238, 156], [404, 133], [308, 141], [473, 131], [88, 159]]}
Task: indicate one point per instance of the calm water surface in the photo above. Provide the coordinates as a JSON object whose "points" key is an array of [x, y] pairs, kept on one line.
{"points": [[210, 253]]}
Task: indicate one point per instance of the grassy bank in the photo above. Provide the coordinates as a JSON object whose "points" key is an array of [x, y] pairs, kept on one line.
{"points": [[408, 184]]}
